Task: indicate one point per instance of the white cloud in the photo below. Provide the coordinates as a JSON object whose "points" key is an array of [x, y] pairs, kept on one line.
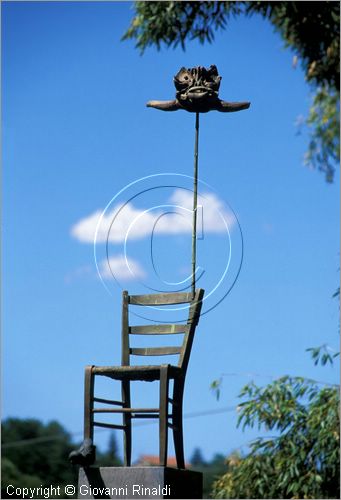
{"points": [[80, 272], [85, 229], [126, 221], [213, 211], [121, 269]]}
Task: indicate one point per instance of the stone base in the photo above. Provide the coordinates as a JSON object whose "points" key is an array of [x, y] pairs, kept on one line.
{"points": [[138, 482]]}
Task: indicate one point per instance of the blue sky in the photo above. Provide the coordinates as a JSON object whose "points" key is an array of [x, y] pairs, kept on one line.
{"points": [[76, 138]]}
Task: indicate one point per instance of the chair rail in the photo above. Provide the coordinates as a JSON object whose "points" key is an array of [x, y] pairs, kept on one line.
{"points": [[158, 329], [160, 299], [154, 351]]}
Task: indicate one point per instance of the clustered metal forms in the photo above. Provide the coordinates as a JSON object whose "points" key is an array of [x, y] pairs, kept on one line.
{"points": [[196, 92]]}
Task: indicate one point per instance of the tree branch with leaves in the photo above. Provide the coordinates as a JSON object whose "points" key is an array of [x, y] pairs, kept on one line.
{"points": [[310, 29], [302, 459]]}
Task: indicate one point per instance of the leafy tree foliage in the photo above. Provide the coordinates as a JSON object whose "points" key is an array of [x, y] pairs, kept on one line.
{"points": [[211, 470], [310, 29], [302, 459], [197, 458], [36, 454], [323, 354], [323, 119], [110, 458], [42, 461], [10, 474]]}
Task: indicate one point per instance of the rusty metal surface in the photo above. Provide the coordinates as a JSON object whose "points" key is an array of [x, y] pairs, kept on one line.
{"points": [[197, 92]]}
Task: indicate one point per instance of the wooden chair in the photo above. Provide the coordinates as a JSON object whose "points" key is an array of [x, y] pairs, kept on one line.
{"points": [[126, 373]]}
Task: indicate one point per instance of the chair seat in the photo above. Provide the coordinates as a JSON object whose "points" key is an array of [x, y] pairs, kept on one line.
{"points": [[146, 373]]}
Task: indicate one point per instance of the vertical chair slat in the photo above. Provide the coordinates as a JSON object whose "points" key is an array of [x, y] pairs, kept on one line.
{"points": [[125, 330], [193, 318]]}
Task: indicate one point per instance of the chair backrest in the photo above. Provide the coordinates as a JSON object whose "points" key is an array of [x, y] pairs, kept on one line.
{"points": [[187, 329]]}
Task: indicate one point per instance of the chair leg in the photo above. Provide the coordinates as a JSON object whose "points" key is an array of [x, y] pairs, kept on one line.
{"points": [[126, 423], [88, 403], [86, 454], [178, 392], [163, 416]]}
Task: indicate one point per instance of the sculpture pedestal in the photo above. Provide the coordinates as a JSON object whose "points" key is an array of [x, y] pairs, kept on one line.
{"points": [[138, 482]]}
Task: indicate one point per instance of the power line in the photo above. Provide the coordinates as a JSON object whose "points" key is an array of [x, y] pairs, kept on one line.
{"points": [[276, 377], [195, 414], [44, 439]]}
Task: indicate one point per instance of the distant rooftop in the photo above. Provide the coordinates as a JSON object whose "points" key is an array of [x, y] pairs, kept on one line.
{"points": [[154, 460]]}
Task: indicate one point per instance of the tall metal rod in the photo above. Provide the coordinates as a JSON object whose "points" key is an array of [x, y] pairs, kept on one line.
{"points": [[195, 202]]}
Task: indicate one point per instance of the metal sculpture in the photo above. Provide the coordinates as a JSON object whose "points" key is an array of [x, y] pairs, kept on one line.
{"points": [[197, 92]]}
